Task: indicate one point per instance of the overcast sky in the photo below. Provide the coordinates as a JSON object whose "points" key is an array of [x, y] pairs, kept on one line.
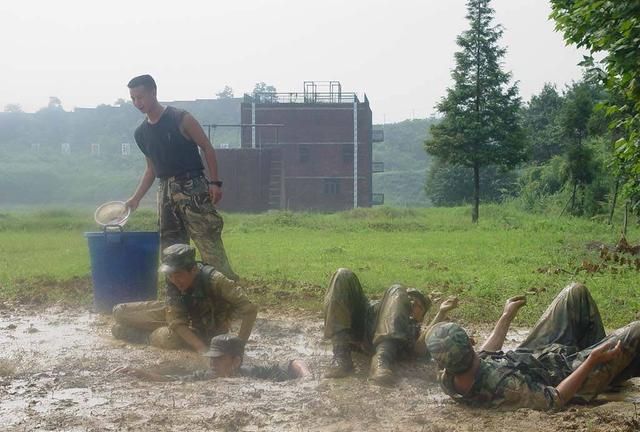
{"points": [[398, 52]]}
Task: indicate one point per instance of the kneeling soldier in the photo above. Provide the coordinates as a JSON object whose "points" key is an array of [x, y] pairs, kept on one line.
{"points": [[200, 304]]}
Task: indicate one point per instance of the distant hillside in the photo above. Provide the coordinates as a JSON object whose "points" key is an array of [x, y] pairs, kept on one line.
{"points": [[107, 125], [48, 177], [405, 163]]}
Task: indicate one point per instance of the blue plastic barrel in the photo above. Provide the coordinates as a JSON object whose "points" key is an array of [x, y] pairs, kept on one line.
{"points": [[124, 267]]}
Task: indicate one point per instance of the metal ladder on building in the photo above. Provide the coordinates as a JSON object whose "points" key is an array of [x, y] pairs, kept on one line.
{"points": [[275, 181]]}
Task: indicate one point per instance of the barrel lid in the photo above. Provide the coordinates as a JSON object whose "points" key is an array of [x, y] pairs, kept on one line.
{"points": [[112, 213]]}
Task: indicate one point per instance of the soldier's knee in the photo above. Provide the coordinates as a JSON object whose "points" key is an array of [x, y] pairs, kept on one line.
{"points": [[576, 288], [165, 338], [343, 273], [118, 312]]}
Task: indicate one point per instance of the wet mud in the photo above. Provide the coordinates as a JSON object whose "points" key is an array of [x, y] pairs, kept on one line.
{"points": [[56, 374]]}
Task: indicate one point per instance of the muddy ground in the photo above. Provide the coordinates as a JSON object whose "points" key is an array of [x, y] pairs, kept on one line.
{"points": [[55, 374]]}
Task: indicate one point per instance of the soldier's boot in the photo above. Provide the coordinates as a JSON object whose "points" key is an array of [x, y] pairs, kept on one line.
{"points": [[382, 362], [130, 334], [341, 365]]}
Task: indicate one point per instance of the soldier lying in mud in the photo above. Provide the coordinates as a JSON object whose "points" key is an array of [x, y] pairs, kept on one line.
{"points": [[387, 329], [565, 356], [200, 304], [226, 354]]}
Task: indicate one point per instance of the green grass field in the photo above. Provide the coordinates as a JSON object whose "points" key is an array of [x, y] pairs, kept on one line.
{"points": [[287, 258]]}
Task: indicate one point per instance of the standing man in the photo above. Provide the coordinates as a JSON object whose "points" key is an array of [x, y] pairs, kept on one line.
{"points": [[170, 138]]}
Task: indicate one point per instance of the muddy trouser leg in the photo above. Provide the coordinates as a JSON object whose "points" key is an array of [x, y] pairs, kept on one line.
{"points": [[202, 221], [626, 366], [572, 319], [345, 307], [147, 315], [394, 318]]}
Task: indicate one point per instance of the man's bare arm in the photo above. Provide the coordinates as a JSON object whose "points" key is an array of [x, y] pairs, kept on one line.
{"points": [[194, 131], [499, 333], [571, 384], [446, 306], [146, 181]]}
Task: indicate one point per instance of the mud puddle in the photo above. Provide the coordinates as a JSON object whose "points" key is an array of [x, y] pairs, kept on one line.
{"points": [[55, 374]]}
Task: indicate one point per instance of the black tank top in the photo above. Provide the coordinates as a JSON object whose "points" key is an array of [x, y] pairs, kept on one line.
{"points": [[171, 153]]}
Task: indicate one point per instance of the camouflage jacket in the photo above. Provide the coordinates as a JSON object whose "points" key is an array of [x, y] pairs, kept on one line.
{"points": [[516, 379], [209, 305], [276, 372]]}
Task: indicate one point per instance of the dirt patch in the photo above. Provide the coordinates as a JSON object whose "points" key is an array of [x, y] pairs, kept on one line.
{"points": [[59, 378]]}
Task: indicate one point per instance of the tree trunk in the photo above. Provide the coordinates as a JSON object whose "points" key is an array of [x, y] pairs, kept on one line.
{"points": [[615, 200], [475, 212], [573, 196]]}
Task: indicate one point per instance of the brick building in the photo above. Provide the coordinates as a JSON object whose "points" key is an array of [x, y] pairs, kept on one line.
{"points": [[301, 151]]}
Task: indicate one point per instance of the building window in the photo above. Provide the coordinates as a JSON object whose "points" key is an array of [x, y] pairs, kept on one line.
{"points": [[347, 153], [303, 154], [331, 186]]}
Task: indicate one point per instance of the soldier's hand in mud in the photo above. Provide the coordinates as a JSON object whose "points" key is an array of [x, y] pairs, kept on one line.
{"points": [[215, 193], [605, 353], [513, 305], [449, 304]]}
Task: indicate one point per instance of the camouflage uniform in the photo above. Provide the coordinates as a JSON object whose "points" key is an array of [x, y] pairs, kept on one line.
{"points": [[350, 317], [208, 307], [186, 212], [562, 339], [276, 372]]}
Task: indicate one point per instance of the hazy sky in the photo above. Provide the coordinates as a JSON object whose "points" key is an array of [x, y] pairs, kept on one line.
{"points": [[400, 52]]}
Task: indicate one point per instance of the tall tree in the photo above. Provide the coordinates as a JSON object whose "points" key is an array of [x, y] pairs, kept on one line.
{"points": [[13, 108], [480, 124], [613, 29], [540, 121], [264, 92]]}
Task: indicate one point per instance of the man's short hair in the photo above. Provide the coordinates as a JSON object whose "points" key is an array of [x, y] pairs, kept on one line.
{"points": [[145, 81], [450, 347]]}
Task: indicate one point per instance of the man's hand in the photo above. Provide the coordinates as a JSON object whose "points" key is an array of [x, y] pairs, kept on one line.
{"points": [[139, 373], [513, 305], [449, 304], [132, 203], [215, 193], [605, 353]]}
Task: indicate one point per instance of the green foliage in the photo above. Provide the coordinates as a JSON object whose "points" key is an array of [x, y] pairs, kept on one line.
{"points": [[480, 126], [452, 185], [611, 28], [541, 124], [294, 254]]}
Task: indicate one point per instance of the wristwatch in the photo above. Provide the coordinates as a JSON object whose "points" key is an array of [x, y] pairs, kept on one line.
{"points": [[215, 182]]}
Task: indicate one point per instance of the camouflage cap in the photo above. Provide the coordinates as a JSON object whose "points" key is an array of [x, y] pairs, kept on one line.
{"points": [[450, 346], [417, 294], [225, 344], [178, 257]]}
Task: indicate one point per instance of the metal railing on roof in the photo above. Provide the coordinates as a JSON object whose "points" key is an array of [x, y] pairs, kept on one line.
{"points": [[302, 98]]}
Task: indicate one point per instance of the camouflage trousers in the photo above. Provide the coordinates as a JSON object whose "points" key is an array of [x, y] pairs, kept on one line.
{"points": [[186, 212], [349, 316], [573, 321], [147, 317]]}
